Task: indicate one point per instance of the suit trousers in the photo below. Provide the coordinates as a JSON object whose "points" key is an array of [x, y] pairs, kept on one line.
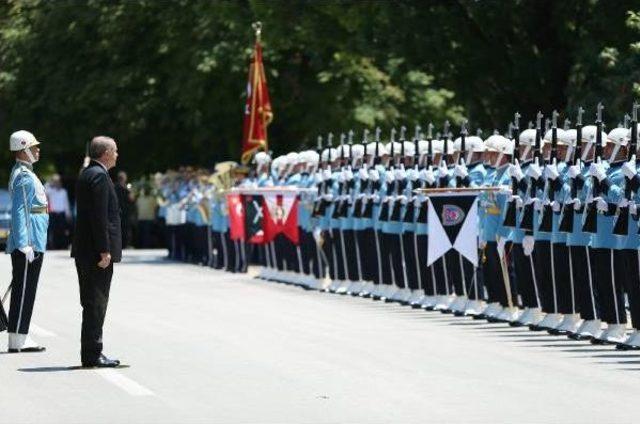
{"points": [[95, 284], [24, 284], [632, 283], [524, 267]]}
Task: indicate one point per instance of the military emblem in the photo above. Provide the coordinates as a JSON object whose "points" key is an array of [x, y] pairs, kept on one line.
{"points": [[452, 215]]}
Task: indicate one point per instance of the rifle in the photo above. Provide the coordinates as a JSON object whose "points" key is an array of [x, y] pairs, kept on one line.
{"points": [[526, 223], [621, 227], [546, 218], [576, 184], [430, 149], [512, 208], [590, 224]]}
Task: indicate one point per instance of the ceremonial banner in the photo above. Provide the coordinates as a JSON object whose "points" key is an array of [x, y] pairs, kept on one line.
{"points": [[453, 224], [253, 218], [257, 110], [236, 217], [280, 213]]}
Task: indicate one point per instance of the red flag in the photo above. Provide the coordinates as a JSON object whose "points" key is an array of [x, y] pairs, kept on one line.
{"points": [[236, 217], [280, 216], [257, 110]]}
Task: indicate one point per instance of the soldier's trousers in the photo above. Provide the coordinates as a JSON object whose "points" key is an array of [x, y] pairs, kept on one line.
{"points": [[220, 247], [425, 273], [525, 273], [583, 281], [338, 262], [460, 272], [351, 255], [392, 262], [410, 247], [24, 284], [368, 254], [608, 267], [553, 274], [632, 283], [493, 275]]}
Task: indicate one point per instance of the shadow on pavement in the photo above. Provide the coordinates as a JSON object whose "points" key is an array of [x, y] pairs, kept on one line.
{"points": [[63, 368]]}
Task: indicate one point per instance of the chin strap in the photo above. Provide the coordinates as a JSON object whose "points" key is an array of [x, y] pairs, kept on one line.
{"points": [[32, 159]]}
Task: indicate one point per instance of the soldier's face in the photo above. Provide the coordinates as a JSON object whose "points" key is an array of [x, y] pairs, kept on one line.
{"points": [[35, 151], [522, 149]]}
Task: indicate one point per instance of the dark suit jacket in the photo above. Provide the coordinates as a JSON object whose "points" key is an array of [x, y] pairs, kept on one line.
{"points": [[98, 217]]}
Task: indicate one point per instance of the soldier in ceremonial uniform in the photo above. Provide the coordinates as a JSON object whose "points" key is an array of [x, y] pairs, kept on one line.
{"points": [[27, 239]]}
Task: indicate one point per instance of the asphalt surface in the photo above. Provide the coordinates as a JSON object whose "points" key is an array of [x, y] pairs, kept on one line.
{"points": [[207, 346]]}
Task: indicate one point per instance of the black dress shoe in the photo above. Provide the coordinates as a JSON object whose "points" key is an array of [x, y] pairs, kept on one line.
{"points": [[101, 362], [622, 346], [28, 349]]}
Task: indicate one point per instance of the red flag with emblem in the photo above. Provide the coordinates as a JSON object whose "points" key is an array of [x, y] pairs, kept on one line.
{"points": [[257, 110], [236, 217], [281, 217]]}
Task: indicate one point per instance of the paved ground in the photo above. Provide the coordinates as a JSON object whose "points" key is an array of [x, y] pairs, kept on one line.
{"points": [[206, 346]]}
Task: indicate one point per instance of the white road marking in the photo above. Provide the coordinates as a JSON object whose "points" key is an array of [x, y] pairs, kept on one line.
{"points": [[125, 383], [41, 332]]}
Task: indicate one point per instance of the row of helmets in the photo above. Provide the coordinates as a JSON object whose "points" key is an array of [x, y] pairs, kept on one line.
{"points": [[495, 143]]}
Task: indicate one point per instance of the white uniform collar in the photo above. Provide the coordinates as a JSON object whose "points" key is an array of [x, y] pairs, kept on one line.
{"points": [[25, 163]]}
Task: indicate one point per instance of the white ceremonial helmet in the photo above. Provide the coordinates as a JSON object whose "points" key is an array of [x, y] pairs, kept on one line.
{"points": [[527, 138], [397, 148], [357, 152], [472, 144], [329, 155], [589, 138], [409, 148], [261, 158], [569, 138], [549, 135], [23, 140], [500, 144], [620, 137]]}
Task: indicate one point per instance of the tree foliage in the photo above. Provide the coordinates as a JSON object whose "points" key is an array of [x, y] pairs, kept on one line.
{"points": [[167, 78]]}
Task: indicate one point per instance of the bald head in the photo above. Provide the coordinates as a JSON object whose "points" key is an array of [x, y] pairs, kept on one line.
{"points": [[104, 150]]}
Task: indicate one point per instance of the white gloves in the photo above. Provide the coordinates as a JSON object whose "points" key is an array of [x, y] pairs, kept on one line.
{"points": [[327, 197], [460, 171], [629, 169], [515, 171], [551, 171], [577, 204], [633, 209], [537, 205], [555, 206], [348, 174], [428, 175], [573, 171], [399, 174], [601, 204], [597, 170], [527, 245], [518, 200], [389, 177], [501, 242], [374, 174], [402, 199], [317, 235], [29, 253], [326, 174], [443, 171], [363, 174], [623, 203], [534, 170]]}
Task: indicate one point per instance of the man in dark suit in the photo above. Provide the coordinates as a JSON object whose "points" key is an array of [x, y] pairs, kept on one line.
{"points": [[97, 245]]}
